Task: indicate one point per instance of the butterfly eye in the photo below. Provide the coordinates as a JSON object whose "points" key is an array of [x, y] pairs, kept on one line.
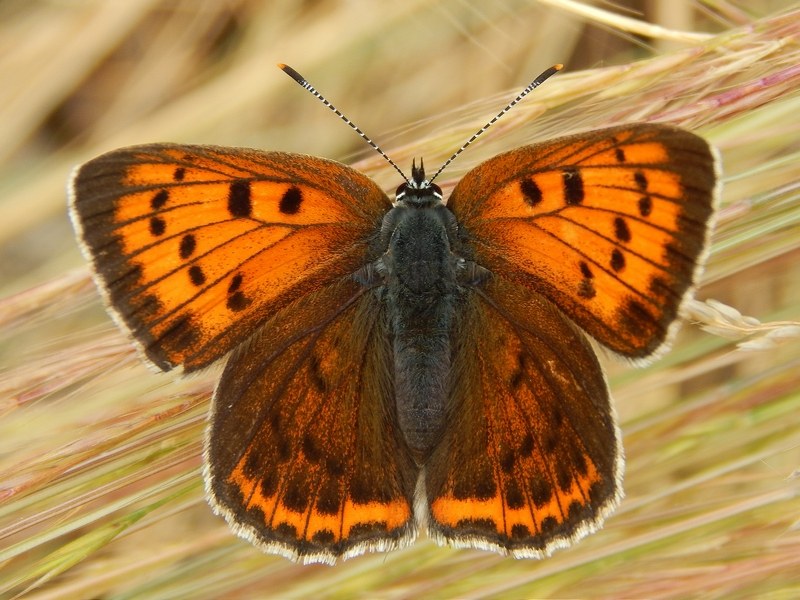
{"points": [[401, 190], [436, 190]]}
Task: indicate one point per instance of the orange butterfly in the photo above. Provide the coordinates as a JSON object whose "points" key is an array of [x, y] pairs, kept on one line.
{"points": [[410, 365]]}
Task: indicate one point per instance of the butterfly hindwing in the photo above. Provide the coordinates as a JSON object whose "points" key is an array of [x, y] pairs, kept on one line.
{"points": [[304, 457], [531, 458], [609, 225], [194, 246]]}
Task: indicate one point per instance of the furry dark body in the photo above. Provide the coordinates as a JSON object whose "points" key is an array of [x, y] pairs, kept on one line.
{"points": [[421, 294], [423, 278]]}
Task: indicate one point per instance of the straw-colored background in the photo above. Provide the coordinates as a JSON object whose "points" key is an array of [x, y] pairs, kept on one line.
{"points": [[100, 488]]}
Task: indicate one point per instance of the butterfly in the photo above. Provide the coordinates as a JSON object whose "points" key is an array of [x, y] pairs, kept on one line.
{"points": [[410, 365]]}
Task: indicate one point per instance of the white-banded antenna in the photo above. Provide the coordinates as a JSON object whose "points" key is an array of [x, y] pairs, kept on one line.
{"points": [[531, 86], [303, 82]]}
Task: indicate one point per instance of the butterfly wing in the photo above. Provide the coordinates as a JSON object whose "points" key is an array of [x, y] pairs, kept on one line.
{"points": [[304, 456], [531, 459], [194, 246], [610, 226]]}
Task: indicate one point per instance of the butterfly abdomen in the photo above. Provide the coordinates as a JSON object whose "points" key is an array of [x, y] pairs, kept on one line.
{"points": [[421, 295]]}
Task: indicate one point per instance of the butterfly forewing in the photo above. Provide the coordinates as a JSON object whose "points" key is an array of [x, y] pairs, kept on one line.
{"points": [[531, 458], [610, 225], [195, 246], [304, 455]]}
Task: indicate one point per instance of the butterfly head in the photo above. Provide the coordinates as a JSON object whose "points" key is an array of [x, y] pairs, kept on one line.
{"points": [[418, 191]]}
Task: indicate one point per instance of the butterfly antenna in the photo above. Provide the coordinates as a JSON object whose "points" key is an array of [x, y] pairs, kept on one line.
{"points": [[532, 86], [303, 82]]}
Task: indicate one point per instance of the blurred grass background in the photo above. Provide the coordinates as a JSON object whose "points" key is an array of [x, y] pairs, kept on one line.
{"points": [[100, 487]]}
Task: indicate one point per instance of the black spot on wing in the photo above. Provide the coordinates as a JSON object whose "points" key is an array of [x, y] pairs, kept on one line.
{"points": [[188, 246], [196, 275], [573, 186], [290, 201], [586, 287], [617, 260], [157, 226], [645, 206], [541, 490], [239, 199], [621, 230], [238, 302], [159, 200], [236, 283], [530, 192]]}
